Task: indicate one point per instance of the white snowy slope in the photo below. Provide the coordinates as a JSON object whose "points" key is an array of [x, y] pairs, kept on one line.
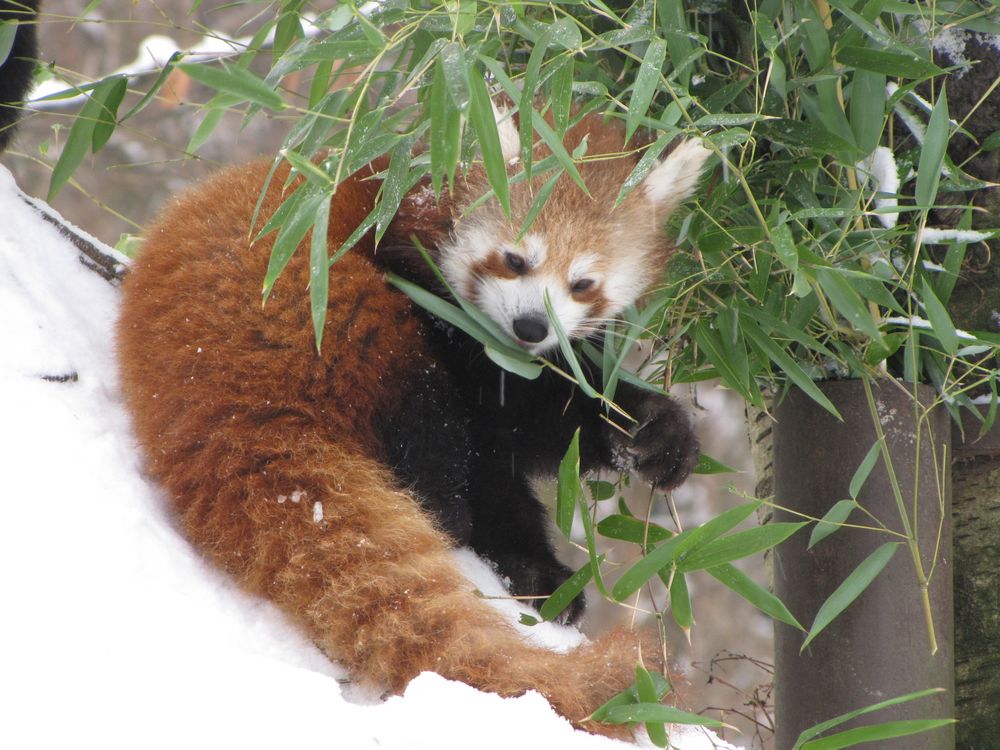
{"points": [[112, 631]]}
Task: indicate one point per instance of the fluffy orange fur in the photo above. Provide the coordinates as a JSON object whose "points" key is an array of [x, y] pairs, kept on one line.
{"points": [[248, 428]]}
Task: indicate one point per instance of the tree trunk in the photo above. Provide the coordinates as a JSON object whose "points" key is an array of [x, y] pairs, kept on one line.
{"points": [[976, 522], [879, 646]]}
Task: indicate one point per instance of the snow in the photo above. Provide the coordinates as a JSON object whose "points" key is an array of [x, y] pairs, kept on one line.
{"points": [[114, 631], [880, 165]]}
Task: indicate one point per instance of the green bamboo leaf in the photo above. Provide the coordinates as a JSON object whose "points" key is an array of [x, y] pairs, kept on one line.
{"points": [[568, 591], [645, 689], [635, 577], [737, 546], [394, 186], [645, 85], [485, 127], [887, 63], [807, 135], [847, 301], [864, 470], [157, 85], [851, 589], [555, 144], [784, 247], [567, 350], [696, 539], [735, 579], [446, 131], [308, 168], [680, 603], [525, 368], [561, 93], [81, 136], [876, 733], [932, 152], [236, 81], [831, 521], [649, 159], [631, 529], [708, 465], [647, 712], [808, 734], [709, 342], [630, 696], [8, 30], [867, 109], [789, 366], [569, 491], [106, 120], [449, 313], [291, 233], [539, 203], [939, 319], [319, 271]]}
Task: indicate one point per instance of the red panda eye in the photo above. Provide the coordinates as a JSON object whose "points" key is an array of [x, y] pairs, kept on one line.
{"points": [[515, 262], [581, 285]]}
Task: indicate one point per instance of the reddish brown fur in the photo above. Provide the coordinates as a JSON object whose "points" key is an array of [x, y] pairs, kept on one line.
{"points": [[246, 427]]}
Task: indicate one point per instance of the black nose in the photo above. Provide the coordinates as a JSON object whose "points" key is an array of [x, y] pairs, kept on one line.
{"points": [[531, 328]]}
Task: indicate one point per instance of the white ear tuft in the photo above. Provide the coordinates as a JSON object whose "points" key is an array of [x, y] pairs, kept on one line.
{"points": [[674, 178], [510, 138]]}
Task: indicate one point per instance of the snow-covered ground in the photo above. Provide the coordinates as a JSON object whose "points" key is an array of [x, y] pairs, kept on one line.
{"points": [[113, 633]]}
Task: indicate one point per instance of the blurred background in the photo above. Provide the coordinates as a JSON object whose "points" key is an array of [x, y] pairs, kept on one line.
{"points": [[728, 658]]}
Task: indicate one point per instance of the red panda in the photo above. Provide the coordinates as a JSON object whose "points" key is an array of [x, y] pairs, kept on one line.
{"points": [[334, 482]]}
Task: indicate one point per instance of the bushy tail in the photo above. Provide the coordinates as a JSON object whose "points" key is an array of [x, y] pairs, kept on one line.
{"points": [[368, 576]]}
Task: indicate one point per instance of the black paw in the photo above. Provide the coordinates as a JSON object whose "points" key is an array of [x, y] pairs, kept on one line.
{"points": [[536, 578], [662, 448]]}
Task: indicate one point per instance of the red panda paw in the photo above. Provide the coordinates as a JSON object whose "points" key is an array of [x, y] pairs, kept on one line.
{"points": [[663, 448], [537, 578]]}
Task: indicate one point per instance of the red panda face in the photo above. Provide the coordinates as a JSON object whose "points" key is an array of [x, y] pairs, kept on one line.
{"points": [[590, 259]]}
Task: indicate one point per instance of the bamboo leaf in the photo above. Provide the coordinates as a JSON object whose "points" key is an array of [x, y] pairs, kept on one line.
{"points": [[569, 492], [236, 81], [852, 587], [568, 591], [876, 733], [789, 366], [81, 136], [887, 63], [319, 270], [645, 85], [485, 127], [939, 319], [708, 465], [106, 120], [847, 301], [735, 579], [680, 603], [645, 689], [737, 546], [630, 529], [932, 152], [646, 712], [636, 576], [8, 30], [831, 521], [291, 233], [808, 734], [864, 470], [157, 85]]}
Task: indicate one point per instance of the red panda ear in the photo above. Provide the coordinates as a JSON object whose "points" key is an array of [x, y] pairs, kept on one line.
{"points": [[674, 178], [510, 138]]}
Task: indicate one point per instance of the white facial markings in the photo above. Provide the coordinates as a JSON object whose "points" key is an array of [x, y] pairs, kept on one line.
{"points": [[471, 245], [535, 249]]}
